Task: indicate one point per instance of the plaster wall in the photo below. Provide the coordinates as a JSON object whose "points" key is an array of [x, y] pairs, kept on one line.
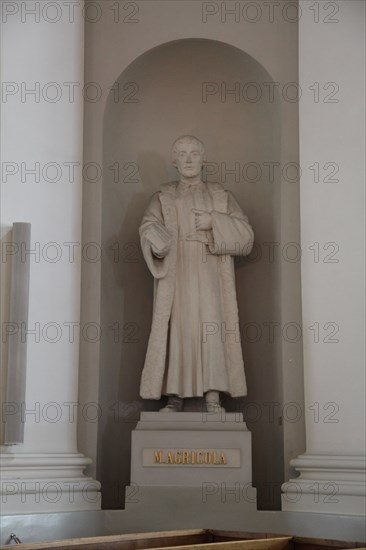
{"points": [[39, 135], [47, 132], [333, 212], [41, 152], [332, 137]]}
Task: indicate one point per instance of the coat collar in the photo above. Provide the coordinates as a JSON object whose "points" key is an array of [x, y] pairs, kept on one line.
{"points": [[169, 188], [169, 192]]}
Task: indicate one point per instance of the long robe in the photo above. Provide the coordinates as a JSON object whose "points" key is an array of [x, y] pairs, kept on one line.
{"points": [[194, 345]]}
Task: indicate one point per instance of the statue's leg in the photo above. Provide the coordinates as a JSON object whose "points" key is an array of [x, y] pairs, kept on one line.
{"points": [[175, 404], [213, 401]]}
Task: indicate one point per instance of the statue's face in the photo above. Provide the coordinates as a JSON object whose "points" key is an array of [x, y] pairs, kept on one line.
{"points": [[189, 158]]}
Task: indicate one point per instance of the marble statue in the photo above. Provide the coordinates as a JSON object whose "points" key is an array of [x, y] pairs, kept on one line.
{"points": [[189, 234]]}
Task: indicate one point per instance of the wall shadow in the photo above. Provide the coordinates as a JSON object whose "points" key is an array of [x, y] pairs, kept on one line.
{"points": [[163, 94]]}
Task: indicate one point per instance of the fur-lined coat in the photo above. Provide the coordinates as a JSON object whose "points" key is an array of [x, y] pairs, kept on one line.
{"points": [[231, 235]]}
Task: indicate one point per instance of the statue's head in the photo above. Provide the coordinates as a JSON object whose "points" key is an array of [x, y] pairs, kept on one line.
{"points": [[188, 155]]}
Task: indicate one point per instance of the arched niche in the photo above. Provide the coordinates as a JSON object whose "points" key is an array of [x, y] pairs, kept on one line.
{"points": [[161, 95]]}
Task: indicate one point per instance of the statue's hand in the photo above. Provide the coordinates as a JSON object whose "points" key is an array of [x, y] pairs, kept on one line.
{"points": [[202, 220], [161, 253], [159, 239]]}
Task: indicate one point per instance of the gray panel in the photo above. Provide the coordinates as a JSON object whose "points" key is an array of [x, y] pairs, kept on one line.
{"points": [[18, 320]]}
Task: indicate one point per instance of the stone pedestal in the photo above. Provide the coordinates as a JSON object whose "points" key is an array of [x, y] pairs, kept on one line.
{"points": [[209, 452]]}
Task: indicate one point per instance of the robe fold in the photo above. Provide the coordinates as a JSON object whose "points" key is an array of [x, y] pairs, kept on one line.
{"points": [[194, 344]]}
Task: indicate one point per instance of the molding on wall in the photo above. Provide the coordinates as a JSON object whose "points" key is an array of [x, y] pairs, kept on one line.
{"points": [[332, 484], [44, 482]]}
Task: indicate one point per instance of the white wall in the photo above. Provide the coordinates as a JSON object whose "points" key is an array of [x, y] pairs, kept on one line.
{"points": [[334, 213], [35, 130], [38, 129], [332, 130], [331, 212]]}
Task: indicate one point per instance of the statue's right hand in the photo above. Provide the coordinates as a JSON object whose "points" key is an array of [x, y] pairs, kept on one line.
{"points": [[160, 240]]}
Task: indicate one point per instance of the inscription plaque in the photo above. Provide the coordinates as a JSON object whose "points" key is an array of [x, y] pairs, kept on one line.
{"points": [[220, 458]]}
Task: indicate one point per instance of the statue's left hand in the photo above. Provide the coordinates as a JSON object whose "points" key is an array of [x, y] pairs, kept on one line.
{"points": [[202, 220]]}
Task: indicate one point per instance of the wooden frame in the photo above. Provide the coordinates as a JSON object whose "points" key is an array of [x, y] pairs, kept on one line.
{"points": [[195, 539]]}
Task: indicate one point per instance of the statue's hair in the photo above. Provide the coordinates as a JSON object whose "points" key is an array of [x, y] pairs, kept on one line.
{"points": [[185, 138]]}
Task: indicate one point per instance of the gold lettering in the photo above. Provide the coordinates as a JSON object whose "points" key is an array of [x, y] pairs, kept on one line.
{"points": [[158, 457], [207, 457], [190, 457]]}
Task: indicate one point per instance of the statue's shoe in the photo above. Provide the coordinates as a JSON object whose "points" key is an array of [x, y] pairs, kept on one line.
{"points": [[175, 404], [213, 407], [171, 408]]}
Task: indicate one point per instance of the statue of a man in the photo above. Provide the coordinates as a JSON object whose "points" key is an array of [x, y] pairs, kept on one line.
{"points": [[189, 234]]}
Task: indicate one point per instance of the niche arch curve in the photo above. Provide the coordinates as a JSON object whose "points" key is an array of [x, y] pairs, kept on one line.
{"points": [[157, 97]]}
